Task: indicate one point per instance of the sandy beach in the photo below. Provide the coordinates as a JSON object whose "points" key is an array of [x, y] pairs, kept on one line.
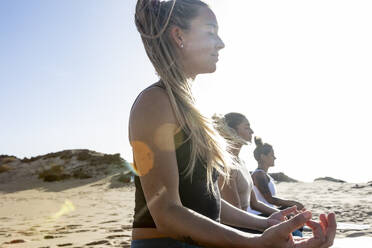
{"points": [[83, 198], [98, 213]]}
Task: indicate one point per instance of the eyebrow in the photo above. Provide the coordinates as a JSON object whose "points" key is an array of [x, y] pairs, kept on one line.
{"points": [[213, 25]]}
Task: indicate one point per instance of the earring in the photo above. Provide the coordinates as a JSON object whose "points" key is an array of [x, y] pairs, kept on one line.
{"points": [[181, 45]]}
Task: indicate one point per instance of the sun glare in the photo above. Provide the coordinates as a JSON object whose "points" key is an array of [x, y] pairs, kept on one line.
{"points": [[66, 208]]}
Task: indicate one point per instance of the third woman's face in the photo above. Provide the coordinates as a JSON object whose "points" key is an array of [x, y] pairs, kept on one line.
{"points": [[245, 131], [201, 44], [269, 159]]}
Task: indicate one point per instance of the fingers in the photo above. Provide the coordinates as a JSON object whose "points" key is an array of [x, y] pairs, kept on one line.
{"points": [[317, 229], [273, 222], [331, 220], [296, 222], [325, 231], [323, 222], [289, 210], [331, 230], [299, 206]]}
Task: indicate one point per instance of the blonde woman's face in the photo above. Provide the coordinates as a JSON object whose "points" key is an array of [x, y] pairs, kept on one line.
{"points": [[201, 44], [245, 131]]}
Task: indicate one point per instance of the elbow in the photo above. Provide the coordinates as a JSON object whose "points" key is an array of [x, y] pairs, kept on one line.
{"points": [[164, 219], [161, 223], [254, 204], [162, 228]]}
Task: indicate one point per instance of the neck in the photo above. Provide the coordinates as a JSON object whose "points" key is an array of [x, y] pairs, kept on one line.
{"points": [[235, 150], [190, 75], [262, 167]]}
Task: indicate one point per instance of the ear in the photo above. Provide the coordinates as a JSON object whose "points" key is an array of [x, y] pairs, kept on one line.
{"points": [[177, 35], [232, 130]]}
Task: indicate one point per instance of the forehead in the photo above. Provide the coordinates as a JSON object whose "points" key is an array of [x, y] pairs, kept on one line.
{"points": [[244, 122], [205, 17]]}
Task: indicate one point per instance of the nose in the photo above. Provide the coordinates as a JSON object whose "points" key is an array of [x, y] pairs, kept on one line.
{"points": [[220, 45]]}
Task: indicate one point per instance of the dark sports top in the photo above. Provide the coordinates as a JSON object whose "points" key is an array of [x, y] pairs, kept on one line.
{"points": [[193, 192]]}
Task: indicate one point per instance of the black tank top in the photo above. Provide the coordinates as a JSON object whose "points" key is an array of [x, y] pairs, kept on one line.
{"points": [[193, 192]]}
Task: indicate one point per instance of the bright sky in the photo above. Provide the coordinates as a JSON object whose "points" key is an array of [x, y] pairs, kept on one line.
{"points": [[299, 70]]}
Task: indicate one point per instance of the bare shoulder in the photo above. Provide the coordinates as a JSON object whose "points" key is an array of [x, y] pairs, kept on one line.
{"points": [[150, 100], [259, 176], [151, 110]]}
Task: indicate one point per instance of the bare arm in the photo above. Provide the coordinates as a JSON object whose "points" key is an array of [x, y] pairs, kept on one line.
{"points": [[233, 216], [229, 191], [261, 182], [260, 206], [152, 129]]}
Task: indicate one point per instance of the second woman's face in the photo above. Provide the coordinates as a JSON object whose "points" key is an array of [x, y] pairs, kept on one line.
{"points": [[201, 44], [245, 131]]}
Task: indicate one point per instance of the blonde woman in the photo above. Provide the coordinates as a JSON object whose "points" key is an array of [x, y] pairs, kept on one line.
{"points": [[236, 128], [178, 156]]}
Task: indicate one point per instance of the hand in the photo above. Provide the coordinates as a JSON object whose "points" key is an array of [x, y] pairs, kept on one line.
{"points": [[280, 235], [280, 216], [298, 204], [293, 215]]}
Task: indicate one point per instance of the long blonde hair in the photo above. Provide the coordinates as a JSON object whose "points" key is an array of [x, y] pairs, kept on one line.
{"points": [[226, 126], [153, 19]]}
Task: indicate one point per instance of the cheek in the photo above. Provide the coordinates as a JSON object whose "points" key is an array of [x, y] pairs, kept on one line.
{"points": [[198, 49], [248, 134], [244, 134], [198, 55]]}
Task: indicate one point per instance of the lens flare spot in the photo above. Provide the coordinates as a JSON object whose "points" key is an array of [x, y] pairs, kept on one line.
{"points": [[66, 208], [143, 157]]}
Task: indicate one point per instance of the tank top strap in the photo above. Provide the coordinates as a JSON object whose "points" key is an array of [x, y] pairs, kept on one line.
{"points": [[157, 84], [258, 170], [267, 174]]}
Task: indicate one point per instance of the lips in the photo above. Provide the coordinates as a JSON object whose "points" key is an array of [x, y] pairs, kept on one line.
{"points": [[215, 56]]}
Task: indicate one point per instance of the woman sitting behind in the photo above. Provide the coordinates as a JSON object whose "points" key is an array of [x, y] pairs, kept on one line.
{"points": [[240, 190], [236, 128], [264, 185]]}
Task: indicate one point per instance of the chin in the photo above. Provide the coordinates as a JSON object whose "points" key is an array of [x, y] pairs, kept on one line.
{"points": [[207, 72], [211, 68]]}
